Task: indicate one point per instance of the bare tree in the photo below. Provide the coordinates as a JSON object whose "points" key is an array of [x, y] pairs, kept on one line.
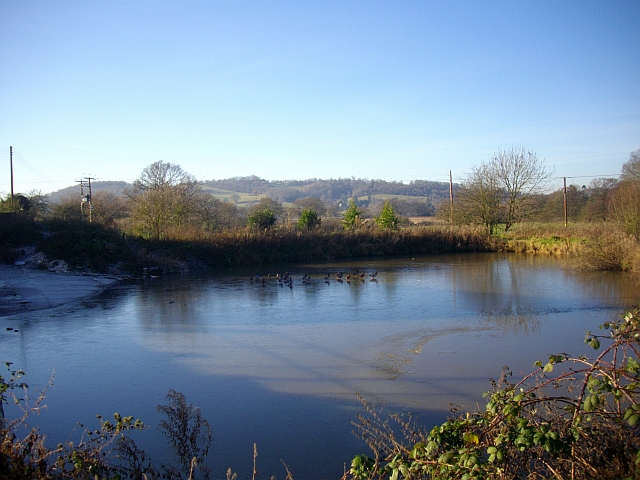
{"points": [[108, 207], [267, 203], [309, 203], [161, 174], [163, 199], [214, 214], [520, 174], [599, 192], [624, 207], [66, 208], [498, 191], [624, 203], [478, 199], [631, 169]]}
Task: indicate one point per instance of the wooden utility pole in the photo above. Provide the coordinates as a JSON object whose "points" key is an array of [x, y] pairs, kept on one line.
{"points": [[86, 182], [450, 198], [83, 199], [564, 190], [11, 165], [90, 204]]}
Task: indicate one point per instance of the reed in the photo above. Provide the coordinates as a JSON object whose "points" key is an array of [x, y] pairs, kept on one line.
{"points": [[548, 238], [246, 247], [610, 250], [588, 246]]}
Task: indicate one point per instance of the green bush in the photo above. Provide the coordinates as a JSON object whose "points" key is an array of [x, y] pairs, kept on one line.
{"points": [[351, 217], [263, 219], [571, 418], [387, 220], [308, 219]]}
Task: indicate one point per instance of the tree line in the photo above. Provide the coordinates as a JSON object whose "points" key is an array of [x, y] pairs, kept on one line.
{"points": [[166, 202], [331, 190], [509, 188]]}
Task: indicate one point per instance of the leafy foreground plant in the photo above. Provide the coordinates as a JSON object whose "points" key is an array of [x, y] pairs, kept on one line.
{"points": [[572, 418], [104, 453], [27, 456]]}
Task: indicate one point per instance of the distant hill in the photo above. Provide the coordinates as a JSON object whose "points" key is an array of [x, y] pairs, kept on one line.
{"points": [[246, 190], [117, 188], [331, 190]]}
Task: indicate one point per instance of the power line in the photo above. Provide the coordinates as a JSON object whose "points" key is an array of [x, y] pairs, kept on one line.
{"points": [[592, 176], [31, 168]]}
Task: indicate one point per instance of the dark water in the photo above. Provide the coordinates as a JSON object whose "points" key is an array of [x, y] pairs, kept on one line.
{"points": [[280, 366]]}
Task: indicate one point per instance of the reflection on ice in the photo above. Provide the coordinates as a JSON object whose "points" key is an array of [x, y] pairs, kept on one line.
{"points": [[281, 365]]}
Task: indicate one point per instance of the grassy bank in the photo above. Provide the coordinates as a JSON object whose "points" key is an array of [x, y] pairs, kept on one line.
{"points": [[85, 246], [586, 246], [544, 238], [281, 246], [93, 247]]}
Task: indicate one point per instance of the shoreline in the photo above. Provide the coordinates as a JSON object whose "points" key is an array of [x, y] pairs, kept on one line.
{"points": [[24, 289]]}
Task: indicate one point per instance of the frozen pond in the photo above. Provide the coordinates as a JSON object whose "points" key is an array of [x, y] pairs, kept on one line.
{"points": [[280, 366]]}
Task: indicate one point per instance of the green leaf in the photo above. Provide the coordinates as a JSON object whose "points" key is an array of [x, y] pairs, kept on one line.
{"points": [[471, 437], [587, 404]]}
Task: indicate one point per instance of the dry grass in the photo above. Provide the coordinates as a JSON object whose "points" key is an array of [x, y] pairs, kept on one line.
{"points": [[246, 247], [549, 238], [609, 250]]}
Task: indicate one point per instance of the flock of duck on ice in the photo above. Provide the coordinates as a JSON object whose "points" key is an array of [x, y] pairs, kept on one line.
{"points": [[287, 280]]}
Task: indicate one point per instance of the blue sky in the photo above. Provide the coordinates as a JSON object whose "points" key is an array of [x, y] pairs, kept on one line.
{"points": [[392, 90]]}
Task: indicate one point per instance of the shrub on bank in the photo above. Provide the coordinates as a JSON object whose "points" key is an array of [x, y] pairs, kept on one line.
{"points": [[280, 246], [86, 246], [16, 232], [95, 247], [571, 418]]}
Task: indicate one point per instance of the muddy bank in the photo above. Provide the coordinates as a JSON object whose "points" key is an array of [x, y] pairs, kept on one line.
{"points": [[24, 289]]}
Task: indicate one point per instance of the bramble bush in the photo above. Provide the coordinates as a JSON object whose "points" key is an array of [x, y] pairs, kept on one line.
{"points": [[573, 417]]}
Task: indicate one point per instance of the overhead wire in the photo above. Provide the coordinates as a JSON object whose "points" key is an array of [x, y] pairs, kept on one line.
{"points": [[30, 167], [20, 160]]}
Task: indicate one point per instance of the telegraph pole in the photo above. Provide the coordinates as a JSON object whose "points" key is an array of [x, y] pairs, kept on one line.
{"points": [[564, 190], [450, 198], [11, 165], [83, 199], [86, 198], [90, 201]]}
